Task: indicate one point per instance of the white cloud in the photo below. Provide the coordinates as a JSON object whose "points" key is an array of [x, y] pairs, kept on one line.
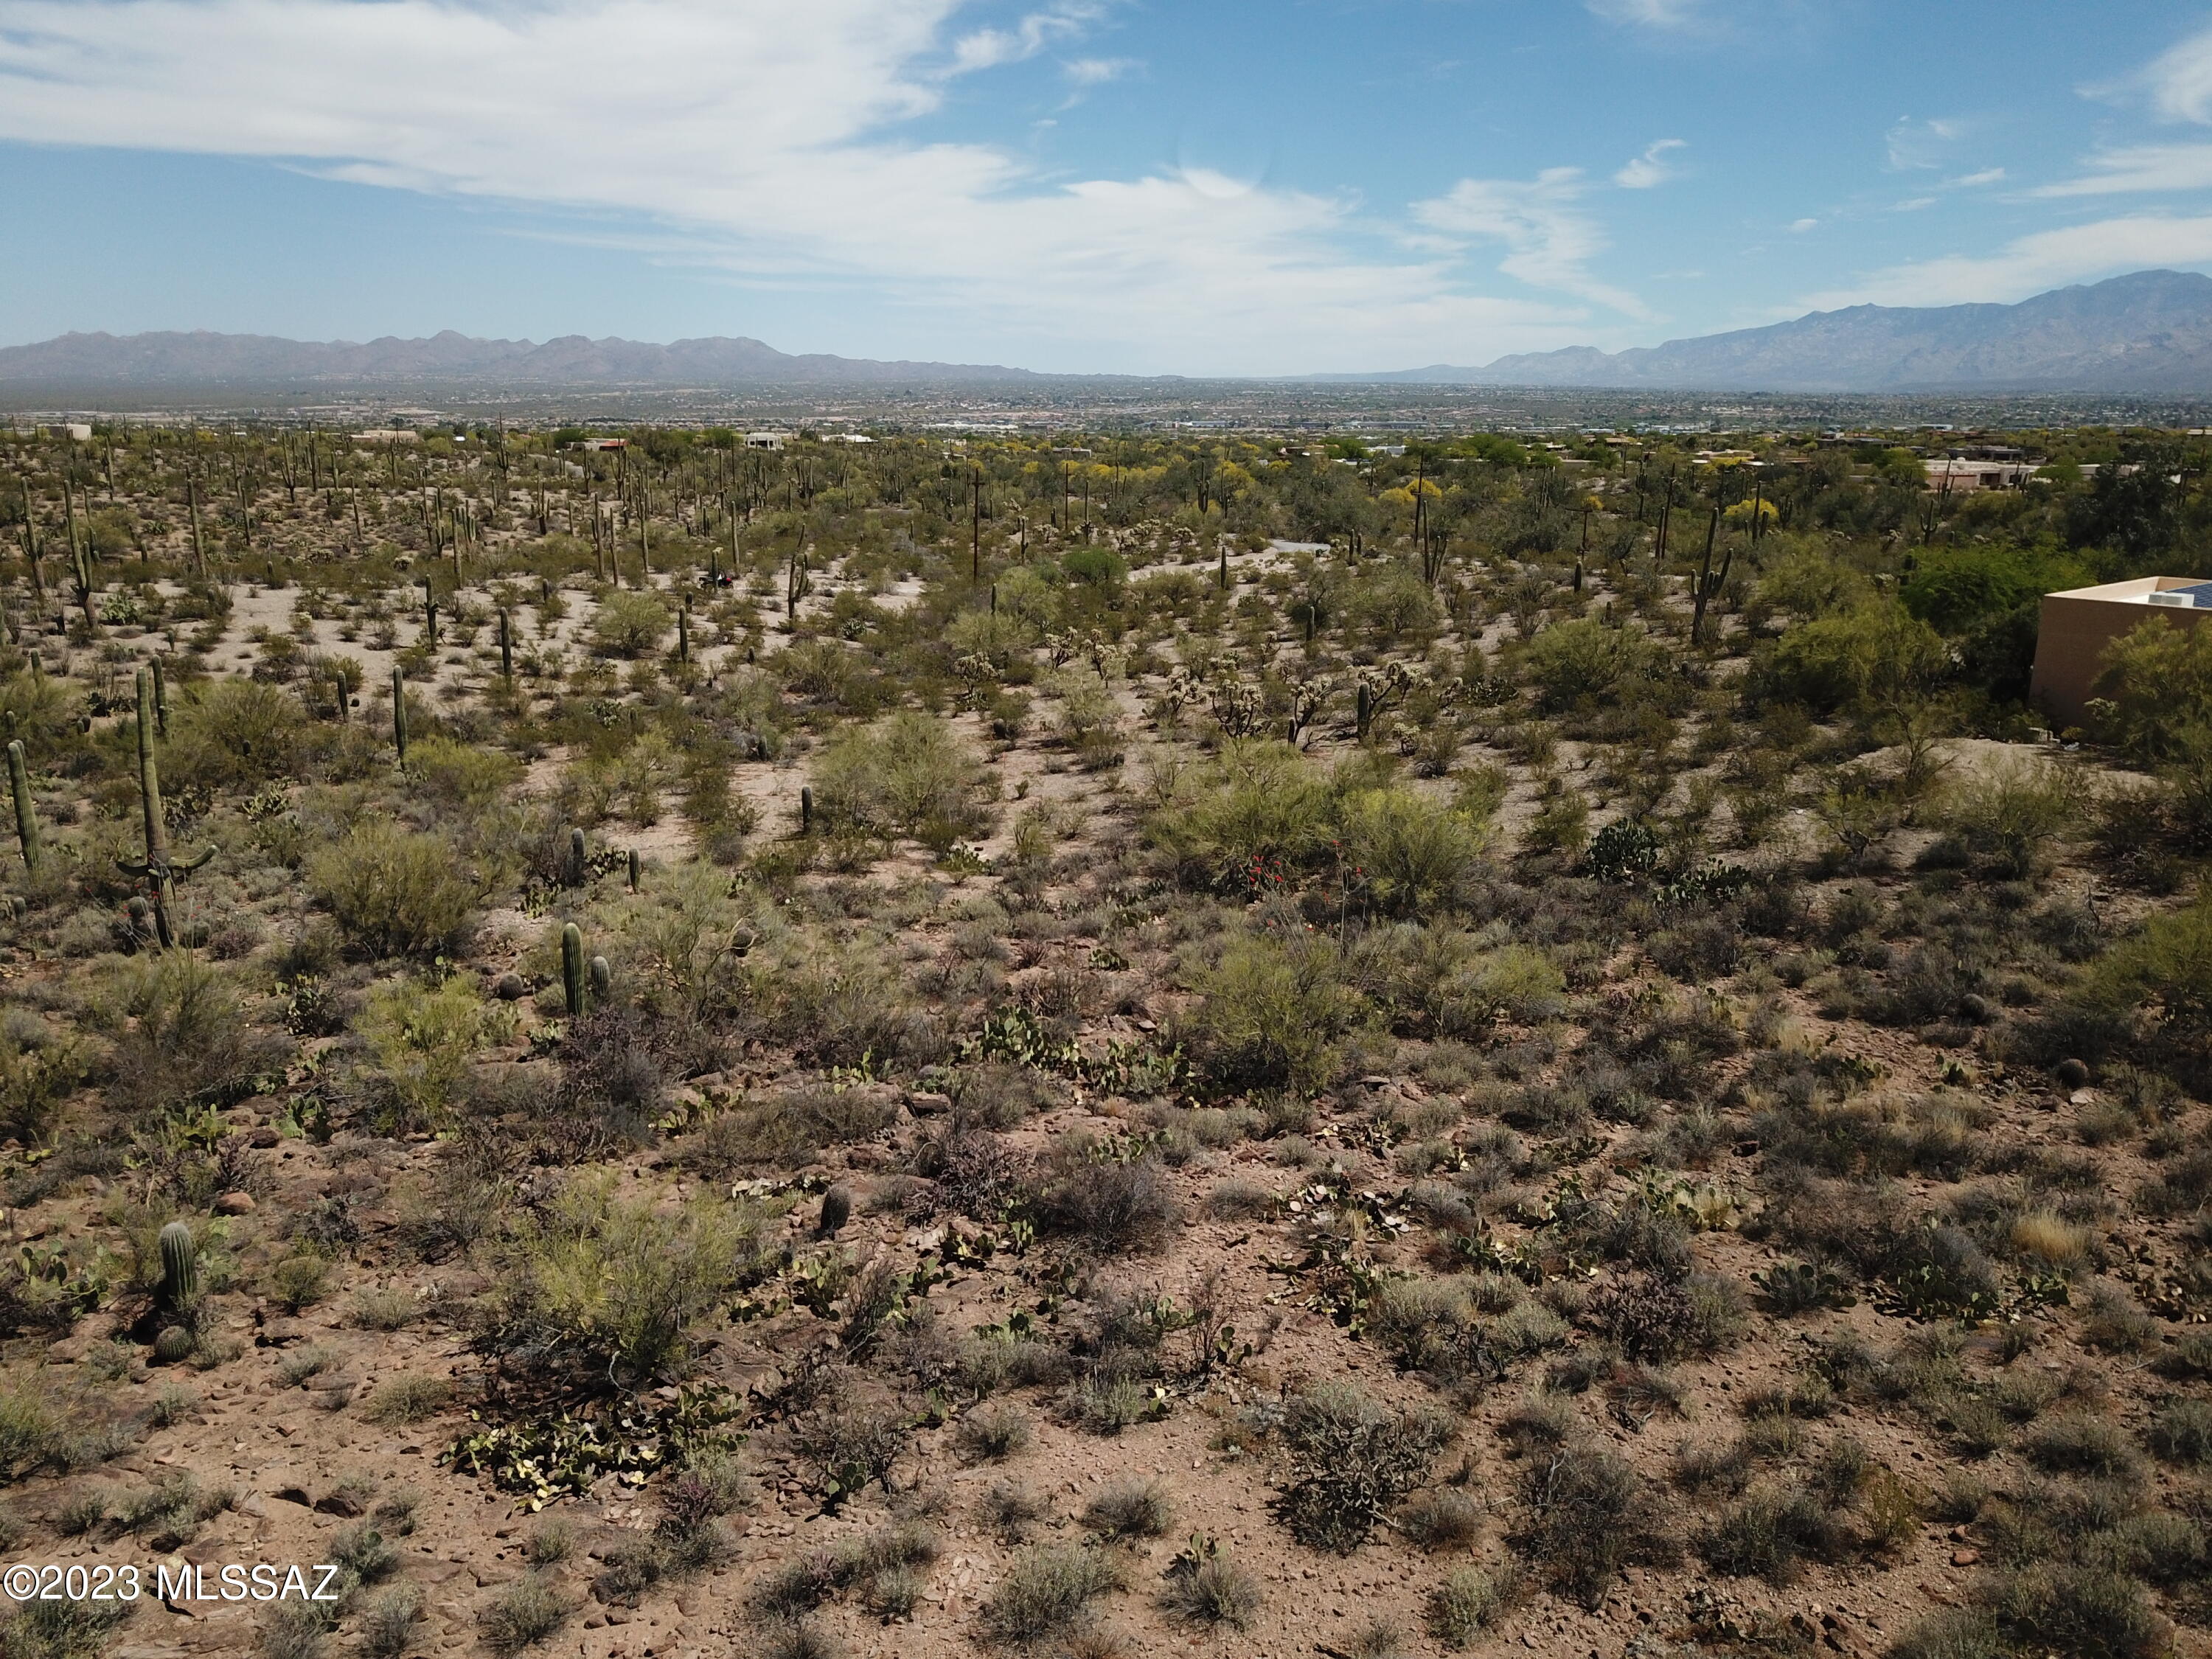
{"points": [[1799, 227], [2137, 168], [1097, 71], [765, 140], [2180, 79], [989, 48], [1652, 14], [1974, 180], [1914, 144], [1549, 241], [2030, 264], [1651, 168]]}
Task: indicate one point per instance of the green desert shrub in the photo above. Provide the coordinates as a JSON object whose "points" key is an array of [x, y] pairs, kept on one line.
{"points": [[183, 1036], [423, 1038], [909, 773], [1582, 662], [2156, 689], [1257, 805], [1272, 1012], [1413, 854], [458, 777], [394, 892], [226, 733], [1836, 661], [629, 624], [2011, 814], [610, 1286]]}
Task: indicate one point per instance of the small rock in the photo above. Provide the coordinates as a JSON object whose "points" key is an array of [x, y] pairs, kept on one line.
{"points": [[234, 1203], [263, 1138], [927, 1104], [1965, 1558], [342, 1504]]}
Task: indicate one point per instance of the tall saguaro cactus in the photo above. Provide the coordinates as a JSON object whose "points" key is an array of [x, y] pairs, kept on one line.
{"points": [[398, 714], [157, 868], [27, 810], [199, 545], [505, 648]]}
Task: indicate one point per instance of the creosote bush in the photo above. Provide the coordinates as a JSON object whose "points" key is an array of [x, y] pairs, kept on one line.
{"points": [[395, 893]]}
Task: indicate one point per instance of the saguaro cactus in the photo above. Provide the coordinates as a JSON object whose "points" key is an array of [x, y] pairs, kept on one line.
{"points": [[160, 699], [579, 866], [27, 810], [430, 615], [398, 714], [805, 811], [603, 979], [636, 870], [505, 648], [572, 968], [156, 867], [683, 633], [181, 1269], [85, 589]]}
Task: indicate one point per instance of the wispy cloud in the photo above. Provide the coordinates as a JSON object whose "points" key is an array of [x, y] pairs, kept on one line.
{"points": [[1651, 168], [1976, 180], [770, 142], [989, 47], [1097, 71], [1653, 14], [1549, 240], [1799, 227], [2180, 79], [2029, 264], [2138, 168], [1913, 144]]}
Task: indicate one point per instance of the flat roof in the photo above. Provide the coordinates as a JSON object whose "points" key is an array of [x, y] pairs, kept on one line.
{"points": [[2185, 591]]}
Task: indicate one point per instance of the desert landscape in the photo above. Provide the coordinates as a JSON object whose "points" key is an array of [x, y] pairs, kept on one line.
{"points": [[654, 1043]]}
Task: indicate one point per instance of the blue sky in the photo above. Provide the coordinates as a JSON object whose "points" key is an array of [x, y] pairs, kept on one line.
{"points": [[1237, 186]]}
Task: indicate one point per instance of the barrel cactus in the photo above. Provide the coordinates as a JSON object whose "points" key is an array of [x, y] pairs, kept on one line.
{"points": [[836, 1210], [175, 1345]]}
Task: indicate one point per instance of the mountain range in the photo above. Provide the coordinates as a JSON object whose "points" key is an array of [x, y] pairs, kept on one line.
{"points": [[202, 360], [2148, 332]]}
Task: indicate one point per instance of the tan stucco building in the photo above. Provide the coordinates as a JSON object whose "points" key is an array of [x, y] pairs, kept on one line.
{"points": [[2077, 625]]}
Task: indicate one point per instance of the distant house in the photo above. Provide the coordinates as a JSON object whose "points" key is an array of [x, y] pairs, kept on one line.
{"points": [[2078, 624], [388, 434], [1954, 477], [73, 430], [765, 440]]}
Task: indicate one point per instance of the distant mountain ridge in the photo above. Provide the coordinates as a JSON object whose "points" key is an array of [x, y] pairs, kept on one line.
{"points": [[2150, 331], [2147, 333], [203, 359]]}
